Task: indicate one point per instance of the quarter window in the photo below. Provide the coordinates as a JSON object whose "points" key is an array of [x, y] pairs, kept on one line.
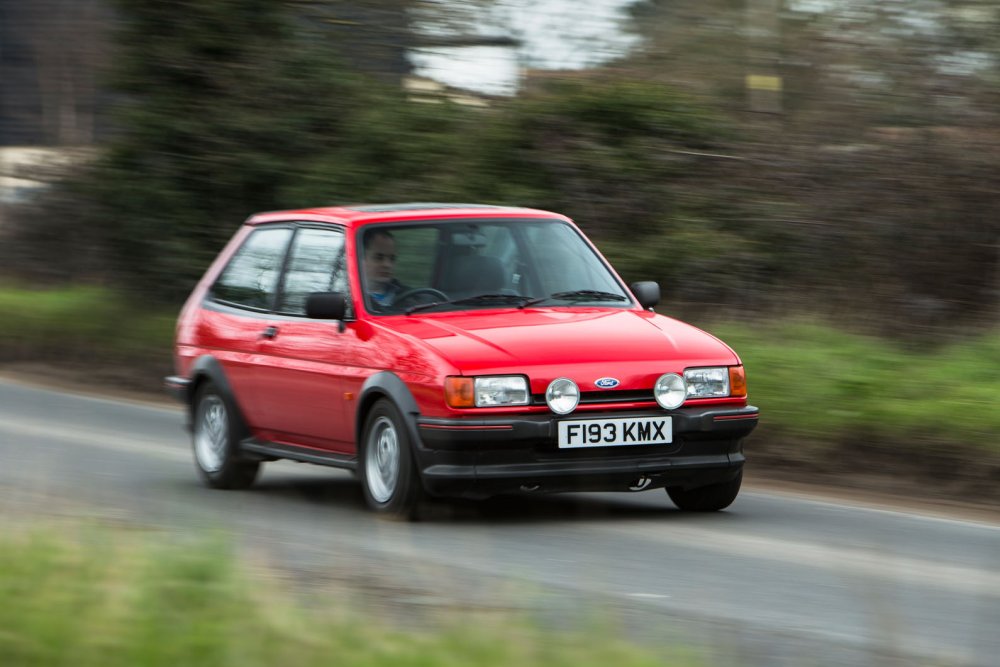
{"points": [[251, 277]]}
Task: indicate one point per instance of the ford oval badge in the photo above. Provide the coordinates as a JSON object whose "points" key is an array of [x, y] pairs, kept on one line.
{"points": [[606, 383]]}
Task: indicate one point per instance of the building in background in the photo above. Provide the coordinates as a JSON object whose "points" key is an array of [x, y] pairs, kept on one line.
{"points": [[27, 171]]}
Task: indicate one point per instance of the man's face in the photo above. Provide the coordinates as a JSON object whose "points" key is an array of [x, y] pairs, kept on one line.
{"points": [[380, 262]]}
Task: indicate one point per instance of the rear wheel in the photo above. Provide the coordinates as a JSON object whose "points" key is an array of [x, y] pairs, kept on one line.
{"points": [[389, 477], [215, 440], [710, 498]]}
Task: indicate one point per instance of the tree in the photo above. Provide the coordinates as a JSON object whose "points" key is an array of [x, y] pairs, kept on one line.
{"points": [[219, 100]]}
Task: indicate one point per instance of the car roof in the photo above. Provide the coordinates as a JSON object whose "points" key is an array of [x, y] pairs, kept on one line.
{"points": [[357, 214]]}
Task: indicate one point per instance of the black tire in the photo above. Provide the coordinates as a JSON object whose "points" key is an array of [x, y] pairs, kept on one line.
{"points": [[215, 436], [386, 467], [710, 498]]}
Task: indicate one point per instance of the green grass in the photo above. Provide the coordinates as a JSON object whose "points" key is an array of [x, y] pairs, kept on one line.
{"points": [[826, 386], [80, 323], [109, 598]]}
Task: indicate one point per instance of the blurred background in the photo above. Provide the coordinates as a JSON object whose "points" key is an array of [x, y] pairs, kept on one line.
{"points": [[817, 180], [754, 155]]}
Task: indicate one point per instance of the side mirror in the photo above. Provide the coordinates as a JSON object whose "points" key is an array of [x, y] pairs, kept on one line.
{"points": [[326, 306], [647, 293]]}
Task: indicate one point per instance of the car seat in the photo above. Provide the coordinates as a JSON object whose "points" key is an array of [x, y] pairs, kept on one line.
{"points": [[471, 275]]}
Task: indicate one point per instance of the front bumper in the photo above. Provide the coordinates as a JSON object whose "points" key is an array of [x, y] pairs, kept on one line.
{"points": [[483, 457]]}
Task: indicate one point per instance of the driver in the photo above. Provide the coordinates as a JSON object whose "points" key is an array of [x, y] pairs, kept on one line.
{"points": [[379, 265]]}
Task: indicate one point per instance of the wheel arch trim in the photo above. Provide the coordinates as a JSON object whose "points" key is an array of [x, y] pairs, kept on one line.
{"points": [[386, 384], [208, 368]]}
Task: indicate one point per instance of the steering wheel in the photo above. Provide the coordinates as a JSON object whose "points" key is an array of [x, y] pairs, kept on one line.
{"points": [[416, 292]]}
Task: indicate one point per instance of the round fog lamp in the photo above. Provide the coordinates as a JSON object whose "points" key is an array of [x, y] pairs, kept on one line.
{"points": [[670, 391], [562, 396]]}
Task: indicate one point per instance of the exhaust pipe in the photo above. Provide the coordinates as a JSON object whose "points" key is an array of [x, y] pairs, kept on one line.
{"points": [[641, 484]]}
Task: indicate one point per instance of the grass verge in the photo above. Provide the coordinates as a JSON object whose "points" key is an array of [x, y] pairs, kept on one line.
{"points": [[825, 387], [79, 324], [105, 598]]}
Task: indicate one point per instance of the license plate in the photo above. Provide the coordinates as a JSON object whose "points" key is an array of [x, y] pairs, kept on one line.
{"points": [[615, 432]]}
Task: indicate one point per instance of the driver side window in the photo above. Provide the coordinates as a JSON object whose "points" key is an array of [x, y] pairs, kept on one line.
{"points": [[315, 264]]}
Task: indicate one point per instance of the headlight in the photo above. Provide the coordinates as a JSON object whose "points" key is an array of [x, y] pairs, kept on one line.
{"points": [[707, 382], [511, 390], [562, 396], [486, 392], [670, 391]]}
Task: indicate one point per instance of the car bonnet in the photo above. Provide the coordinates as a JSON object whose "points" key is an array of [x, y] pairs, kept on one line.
{"points": [[553, 342]]}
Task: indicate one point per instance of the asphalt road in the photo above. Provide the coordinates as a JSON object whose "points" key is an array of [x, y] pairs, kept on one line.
{"points": [[777, 579]]}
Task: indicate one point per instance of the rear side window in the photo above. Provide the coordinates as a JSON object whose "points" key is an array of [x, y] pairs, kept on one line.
{"points": [[251, 277]]}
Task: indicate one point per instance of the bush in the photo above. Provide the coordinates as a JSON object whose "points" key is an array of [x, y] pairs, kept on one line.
{"points": [[825, 388]]}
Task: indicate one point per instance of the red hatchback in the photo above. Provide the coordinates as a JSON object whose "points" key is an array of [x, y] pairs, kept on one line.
{"points": [[452, 350]]}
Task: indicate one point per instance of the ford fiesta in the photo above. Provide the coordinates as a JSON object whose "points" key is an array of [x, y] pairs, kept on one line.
{"points": [[451, 350]]}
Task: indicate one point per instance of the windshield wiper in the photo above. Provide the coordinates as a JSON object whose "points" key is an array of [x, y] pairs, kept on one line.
{"points": [[577, 295], [478, 300]]}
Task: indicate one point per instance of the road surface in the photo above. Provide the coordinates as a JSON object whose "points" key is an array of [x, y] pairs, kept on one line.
{"points": [[778, 579]]}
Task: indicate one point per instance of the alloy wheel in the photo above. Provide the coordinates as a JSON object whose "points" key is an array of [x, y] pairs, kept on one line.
{"points": [[211, 433], [382, 460]]}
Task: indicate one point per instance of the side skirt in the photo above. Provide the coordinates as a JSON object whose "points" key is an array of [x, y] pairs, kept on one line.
{"points": [[272, 450]]}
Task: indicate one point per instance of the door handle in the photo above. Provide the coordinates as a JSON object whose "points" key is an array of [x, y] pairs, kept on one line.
{"points": [[269, 332]]}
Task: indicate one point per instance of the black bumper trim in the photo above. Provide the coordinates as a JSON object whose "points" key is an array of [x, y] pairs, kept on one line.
{"points": [[598, 467], [482, 481], [177, 387]]}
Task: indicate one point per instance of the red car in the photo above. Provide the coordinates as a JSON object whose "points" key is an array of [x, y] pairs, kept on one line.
{"points": [[452, 350]]}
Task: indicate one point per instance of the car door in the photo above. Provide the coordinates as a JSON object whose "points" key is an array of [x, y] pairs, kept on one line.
{"points": [[305, 360], [237, 312]]}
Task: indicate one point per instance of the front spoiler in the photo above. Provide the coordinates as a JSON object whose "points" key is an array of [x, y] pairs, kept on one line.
{"points": [[482, 457]]}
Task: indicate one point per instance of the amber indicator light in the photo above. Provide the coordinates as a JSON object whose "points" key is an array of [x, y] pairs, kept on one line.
{"points": [[459, 392], [737, 381]]}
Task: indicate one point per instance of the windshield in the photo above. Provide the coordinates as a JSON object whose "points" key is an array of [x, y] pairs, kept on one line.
{"points": [[461, 264]]}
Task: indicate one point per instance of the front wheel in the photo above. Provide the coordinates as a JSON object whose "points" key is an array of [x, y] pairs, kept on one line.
{"points": [[710, 498], [389, 477], [215, 439]]}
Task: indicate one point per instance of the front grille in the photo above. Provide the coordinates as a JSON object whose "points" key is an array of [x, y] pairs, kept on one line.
{"points": [[598, 397]]}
